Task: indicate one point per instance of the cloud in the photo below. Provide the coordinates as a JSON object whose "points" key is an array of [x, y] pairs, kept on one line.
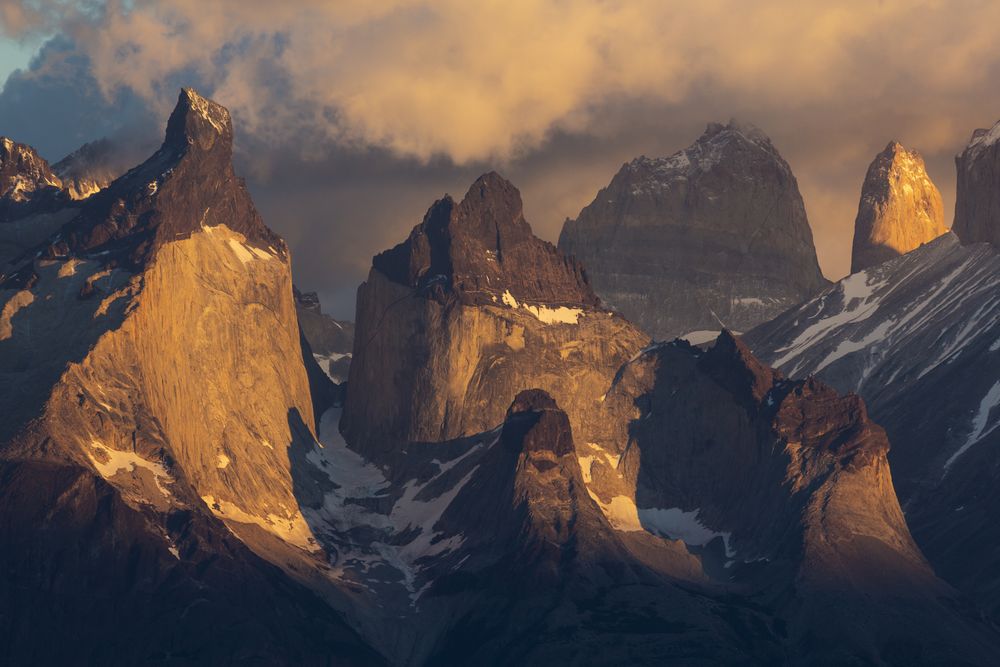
{"points": [[494, 79], [380, 106]]}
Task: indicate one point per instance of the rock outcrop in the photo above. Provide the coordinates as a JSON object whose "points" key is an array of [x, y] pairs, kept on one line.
{"points": [[152, 380], [468, 311], [900, 208], [977, 200], [330, 341], [919, 338], [771, 482], [713, 237]]}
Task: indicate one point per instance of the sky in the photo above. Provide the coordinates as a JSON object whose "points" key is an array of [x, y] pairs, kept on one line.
{"points": [[351, 118]]}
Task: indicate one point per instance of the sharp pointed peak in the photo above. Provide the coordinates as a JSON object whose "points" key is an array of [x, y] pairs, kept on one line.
{"points": [[198, 120], [896, 151], [491, 184]]}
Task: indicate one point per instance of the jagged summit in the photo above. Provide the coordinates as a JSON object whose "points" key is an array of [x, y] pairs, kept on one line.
{"points": [[197, 120], [718, 143], [481, 248], [731, 363], [900, 208], [714, 236], [977, 208], [490, 309], [186, 185], [23, 173], [535, 422]]}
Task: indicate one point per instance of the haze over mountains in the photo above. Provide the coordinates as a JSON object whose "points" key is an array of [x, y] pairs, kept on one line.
{"points": [[523, 466]]}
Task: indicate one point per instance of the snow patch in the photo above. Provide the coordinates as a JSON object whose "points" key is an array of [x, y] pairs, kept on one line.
{"points": [[677, 524], [672, 523], [621, 512], [116, 461], [20, 300], [979, 423], [292, 529], [585, 464], [241, 251], [700, 337], [355, 478], [858, 305], [546, 314]]}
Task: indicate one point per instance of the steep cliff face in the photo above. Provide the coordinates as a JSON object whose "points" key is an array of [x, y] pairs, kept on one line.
{"points": [[466, 313], [714, 236], [917, 337], [977, 202], [774, 483], [719, 434], [731, 515], [150, 357], [551, 581], [900, 208]]}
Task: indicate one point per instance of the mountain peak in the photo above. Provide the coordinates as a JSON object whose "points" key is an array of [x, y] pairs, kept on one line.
{"points": [[481, 248], [731, 363], [199, 121], [716, 235], [718, 145], [737, 128], [185, 186], [984, 137], [23, 172], [900, 208], [977, 208]]}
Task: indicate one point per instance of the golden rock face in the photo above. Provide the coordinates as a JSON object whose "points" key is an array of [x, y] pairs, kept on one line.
{"points": [[184, 384], [470, 310], [900, 208]]}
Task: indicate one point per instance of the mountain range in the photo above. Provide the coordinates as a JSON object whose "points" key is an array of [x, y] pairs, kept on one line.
{"points": [[508, 457]]}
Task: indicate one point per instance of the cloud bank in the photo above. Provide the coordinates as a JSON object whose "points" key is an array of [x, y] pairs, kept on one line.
{"points": [[489, 80]]}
